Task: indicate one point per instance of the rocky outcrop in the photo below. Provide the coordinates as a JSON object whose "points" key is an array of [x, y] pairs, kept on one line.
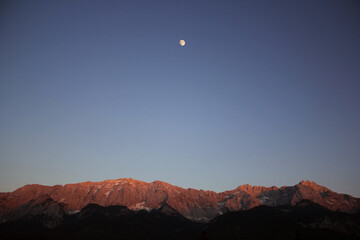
{"points": [[42, 209], [197, 205]]}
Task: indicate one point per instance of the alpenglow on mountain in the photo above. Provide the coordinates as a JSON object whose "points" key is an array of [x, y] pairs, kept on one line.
{"points": [[195, 205]]}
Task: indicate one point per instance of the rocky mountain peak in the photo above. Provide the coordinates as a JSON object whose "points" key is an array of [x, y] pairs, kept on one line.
{"points": [[308, 183], [314, 186]]}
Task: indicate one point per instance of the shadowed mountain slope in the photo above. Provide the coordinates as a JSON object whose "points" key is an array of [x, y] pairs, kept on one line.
{"points": [[305, 220]]}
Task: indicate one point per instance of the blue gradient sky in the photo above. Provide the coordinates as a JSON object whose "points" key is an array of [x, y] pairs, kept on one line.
{"points": [[264, 92]]}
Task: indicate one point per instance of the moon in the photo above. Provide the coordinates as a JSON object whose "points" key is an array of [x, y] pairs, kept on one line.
{"points": [[182, 43]]}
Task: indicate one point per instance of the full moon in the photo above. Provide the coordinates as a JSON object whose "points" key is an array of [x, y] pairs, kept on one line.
{"points": [[182, 43]]}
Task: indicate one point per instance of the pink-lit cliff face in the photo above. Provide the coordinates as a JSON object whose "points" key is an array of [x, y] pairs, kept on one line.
{"points": [[198, 205]]}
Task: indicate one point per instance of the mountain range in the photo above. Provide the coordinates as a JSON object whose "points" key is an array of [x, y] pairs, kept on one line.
{"points": [[131, 209], [195, 205]]}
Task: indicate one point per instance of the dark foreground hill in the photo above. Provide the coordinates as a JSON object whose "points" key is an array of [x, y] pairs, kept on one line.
{"points": [[305, 220], [97, 222]]}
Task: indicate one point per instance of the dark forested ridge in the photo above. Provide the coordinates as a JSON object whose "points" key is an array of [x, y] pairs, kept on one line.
{"points": [[305, 220]]}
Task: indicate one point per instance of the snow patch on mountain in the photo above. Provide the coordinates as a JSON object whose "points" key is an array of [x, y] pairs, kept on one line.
{"points": [[140, 206]]}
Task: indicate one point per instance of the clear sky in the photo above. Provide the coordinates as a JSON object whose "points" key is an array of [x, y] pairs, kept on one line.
{"points": [[264, 92]]}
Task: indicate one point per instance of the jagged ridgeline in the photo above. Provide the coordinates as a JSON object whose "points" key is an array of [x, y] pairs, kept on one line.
{"points": [[123, 207]]}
